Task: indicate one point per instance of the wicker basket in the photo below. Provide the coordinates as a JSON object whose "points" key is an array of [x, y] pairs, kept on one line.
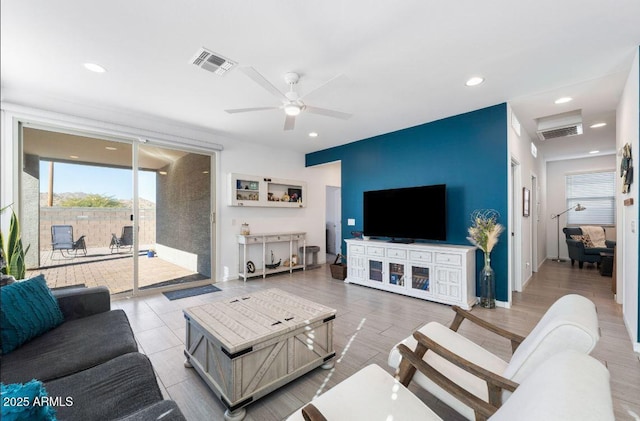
{"points": [[338, 270]]}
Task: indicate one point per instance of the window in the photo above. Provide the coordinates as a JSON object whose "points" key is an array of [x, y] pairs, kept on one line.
{"points": [[596, 192]]}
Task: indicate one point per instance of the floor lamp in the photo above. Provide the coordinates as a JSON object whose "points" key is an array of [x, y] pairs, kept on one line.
{"points": [[577, 208]]}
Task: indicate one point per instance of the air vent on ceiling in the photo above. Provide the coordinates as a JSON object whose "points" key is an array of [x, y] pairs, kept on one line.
{"points": [[212, 62], [560, 125]]}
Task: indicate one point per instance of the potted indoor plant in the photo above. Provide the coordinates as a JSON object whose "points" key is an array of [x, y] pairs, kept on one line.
{"points": [[12, 259]]}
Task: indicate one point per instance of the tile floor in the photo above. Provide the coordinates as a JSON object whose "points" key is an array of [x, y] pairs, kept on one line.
{"points": [[368, 324]]}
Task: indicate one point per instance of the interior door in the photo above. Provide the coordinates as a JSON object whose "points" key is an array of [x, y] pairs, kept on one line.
{"points": [[333, 217]]}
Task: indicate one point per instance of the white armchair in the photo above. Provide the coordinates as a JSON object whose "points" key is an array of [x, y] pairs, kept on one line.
{"points": [[568, 386], [571, 323]]}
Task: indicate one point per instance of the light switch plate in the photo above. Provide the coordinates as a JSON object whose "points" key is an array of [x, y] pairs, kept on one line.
{"points": [[351, 222]]}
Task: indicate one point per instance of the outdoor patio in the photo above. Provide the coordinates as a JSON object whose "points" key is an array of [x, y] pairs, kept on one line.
{"points": [[113, 270]]}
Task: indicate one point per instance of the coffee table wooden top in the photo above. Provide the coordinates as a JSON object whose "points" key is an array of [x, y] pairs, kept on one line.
{"points": [[243, 321]]}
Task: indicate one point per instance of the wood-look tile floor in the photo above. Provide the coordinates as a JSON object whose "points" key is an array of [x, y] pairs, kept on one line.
{"points": [[368, 323]]}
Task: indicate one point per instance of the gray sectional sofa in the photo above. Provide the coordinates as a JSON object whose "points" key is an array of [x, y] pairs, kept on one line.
{"points": [[92, 358]]}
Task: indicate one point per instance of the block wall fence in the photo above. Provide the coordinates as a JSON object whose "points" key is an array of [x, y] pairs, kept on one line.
{"points": [[96, 224]]}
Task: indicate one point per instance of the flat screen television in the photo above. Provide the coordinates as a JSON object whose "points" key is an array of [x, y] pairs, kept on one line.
{"points": [[411, 213]]}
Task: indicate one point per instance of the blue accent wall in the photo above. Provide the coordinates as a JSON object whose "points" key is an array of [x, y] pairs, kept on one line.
{"points": [[467, 152]]}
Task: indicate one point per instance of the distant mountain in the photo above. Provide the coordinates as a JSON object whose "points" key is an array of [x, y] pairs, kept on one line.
{"points": [[61, 197]]}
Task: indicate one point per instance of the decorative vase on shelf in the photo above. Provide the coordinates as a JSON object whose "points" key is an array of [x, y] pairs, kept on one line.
{"points": [[244, 229], [487, 284]]}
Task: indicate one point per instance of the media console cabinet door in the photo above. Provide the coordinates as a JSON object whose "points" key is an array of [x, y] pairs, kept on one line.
{"points": [[443, 273]]}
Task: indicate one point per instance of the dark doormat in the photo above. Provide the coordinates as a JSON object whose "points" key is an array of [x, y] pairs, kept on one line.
{"points": [[175, 281], [190, 292]]}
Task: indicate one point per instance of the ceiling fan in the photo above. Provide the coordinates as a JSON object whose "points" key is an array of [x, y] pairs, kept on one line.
{"points": [[291, 102]]}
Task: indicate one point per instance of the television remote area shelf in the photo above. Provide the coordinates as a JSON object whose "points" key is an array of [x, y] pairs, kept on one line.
{"points": [[442, 273]]}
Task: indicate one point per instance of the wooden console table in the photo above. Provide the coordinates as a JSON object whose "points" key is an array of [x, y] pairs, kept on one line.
{"points": [[247, 346], [257, 240]]}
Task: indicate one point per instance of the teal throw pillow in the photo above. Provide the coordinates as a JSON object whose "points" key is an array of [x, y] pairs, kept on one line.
{"points": [[28, 310], [26, 402]]}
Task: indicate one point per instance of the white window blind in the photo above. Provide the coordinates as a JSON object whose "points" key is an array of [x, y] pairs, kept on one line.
{"points": [[596, 192]]}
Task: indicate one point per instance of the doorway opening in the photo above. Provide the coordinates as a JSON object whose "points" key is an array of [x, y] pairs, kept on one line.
{"points": [[333, 222]]}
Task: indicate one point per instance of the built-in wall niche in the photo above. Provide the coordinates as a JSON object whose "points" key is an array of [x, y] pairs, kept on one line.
{"points": [[255, 190]]}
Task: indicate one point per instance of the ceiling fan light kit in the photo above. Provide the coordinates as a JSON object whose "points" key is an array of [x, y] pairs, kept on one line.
{"points": [[291, 102], [292, 109]]}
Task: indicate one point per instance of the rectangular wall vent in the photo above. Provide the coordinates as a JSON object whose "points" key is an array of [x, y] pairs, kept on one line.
{"points": [[560, 125], [212, 62], [561, 132]]}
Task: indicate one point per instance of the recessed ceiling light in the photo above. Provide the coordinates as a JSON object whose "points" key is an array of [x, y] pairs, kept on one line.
{"points": [[110, 148], [563, 100], [94, 67], [162, 172], [592, 152], [595, 126], [474, 81], [313, 134], [74, 156], [205, 172]]}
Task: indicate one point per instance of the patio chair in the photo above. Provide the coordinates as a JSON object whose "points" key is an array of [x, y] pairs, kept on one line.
{"points": [[125, 240], [571, 323], [62, 241]]}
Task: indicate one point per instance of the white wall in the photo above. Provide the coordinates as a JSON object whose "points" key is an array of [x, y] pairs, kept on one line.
{"points": [[628, 131], [262, 161], [533, 226], [556, 172]]}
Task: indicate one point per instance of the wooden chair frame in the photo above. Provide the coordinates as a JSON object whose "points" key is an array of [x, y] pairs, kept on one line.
{"points": [[412, 361], [461, 315]]}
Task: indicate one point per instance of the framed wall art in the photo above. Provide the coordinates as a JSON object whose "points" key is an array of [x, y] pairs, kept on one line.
{"points": [[526, 201]]}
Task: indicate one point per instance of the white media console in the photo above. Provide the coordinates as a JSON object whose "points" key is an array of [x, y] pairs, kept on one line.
{"points": [[437, 272]]}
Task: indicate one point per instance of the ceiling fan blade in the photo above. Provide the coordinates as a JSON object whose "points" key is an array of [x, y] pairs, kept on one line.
{"points": [[339, 78], [260, 80], [328, 113], [289, 122], [245, 110]]}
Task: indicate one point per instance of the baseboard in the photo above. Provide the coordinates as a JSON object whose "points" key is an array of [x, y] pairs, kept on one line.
{"points": [[503, 304], [180, 258], [634, 343]]}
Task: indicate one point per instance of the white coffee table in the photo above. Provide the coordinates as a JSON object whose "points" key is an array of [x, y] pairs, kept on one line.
{"points": [[247, 346]]}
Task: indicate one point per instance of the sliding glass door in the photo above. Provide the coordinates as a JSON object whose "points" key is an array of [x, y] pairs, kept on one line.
{"points": [[115, 212], [175, 206]]}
